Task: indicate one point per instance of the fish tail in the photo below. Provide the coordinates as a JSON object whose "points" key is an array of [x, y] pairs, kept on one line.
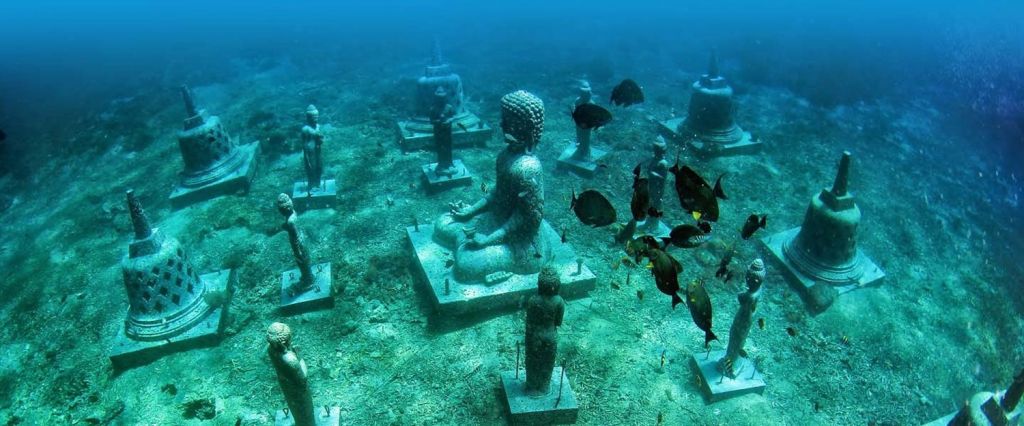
{"points": [[764, 221], [708, 337], [676, 300]]}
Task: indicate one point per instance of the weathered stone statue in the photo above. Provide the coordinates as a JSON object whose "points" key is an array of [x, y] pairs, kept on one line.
{"points": [[171, 306], [306, 279], [544, 313], [733, 362], [215, 164], [581, 157], [501, 232], [291, 374], [441, 115], [312, 287], [487, 255], [312, 157], [315, 192], [657, 175]]}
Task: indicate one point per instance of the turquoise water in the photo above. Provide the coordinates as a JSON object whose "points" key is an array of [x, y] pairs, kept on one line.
{"points": [[926, 97]]}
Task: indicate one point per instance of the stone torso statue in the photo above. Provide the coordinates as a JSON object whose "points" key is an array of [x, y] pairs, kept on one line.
{"points": [[657, 173], [729, 365], [302, 259], [291, 374], [501, 232], [583, 135], [312, 140], [544, 313], [441, 116]]}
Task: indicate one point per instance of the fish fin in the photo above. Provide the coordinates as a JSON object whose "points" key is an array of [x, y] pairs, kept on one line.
{"points": [[666, 241], [676, 300], [708, 337], [764, 221], [719, 192], [636, 172]]}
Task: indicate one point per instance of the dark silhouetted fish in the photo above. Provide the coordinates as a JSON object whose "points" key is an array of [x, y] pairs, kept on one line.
{"points": [[641, 247], [640, 204], [687, 236], [592, 208], [723, 265], [699, 302], [666, 270], [627, 93], [753, 223], [695, 195], [590, 116]]}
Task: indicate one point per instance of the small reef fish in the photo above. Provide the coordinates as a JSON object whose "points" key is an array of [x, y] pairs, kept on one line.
{"points": [[760, 323], [592, 208], [688, 236], [640, 203], [641, 247], [753, 223], [723, 265], [666, 270], [699, 302], [695, 195], [590, 116], [791, 331], [627, 93]]}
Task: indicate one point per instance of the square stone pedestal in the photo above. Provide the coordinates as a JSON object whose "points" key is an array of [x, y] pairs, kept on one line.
{"points": [[583, 168], [436, 182], [719, 387], [316, 298], [872, 273], [539, 410], [234, 182], [412, 140], [746, 145], [319, 198], [653, 227], [325, 416], [477, 297], [127, 353]]}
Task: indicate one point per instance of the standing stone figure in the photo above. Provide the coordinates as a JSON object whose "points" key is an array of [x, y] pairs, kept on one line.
{"points": [[312, 158], [731, 364], [441, 116], [657, 173], [291, 374], [307, 279], [501, 232], [583, 152], [544, 313]]}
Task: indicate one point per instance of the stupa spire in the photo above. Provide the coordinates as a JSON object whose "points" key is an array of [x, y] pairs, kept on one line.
{"points": [[140, 222]]}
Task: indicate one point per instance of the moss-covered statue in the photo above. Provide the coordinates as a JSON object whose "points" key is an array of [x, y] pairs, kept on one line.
{"points": [[544, 313], [500, 233]]}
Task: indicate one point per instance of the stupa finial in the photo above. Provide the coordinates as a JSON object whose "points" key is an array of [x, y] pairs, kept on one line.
{"points": [[437, 58], [842, 175], [190, 105], [140, 222], [713, 64]]}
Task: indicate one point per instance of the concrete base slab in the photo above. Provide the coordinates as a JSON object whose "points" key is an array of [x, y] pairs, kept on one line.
{"points": [[477, 297], [438, 182], [316, 298], [539, 410], [318, 198], [582, 167], [325, 416], [413, 140], [236, 181], [746, 145], [653, 227], [718, 387], [127, 353], [872, 273]]}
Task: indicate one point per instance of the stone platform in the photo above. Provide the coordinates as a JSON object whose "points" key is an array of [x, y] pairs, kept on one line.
{"points": [[436, 182], [872, 273], [234, 182], [580, 167], [412, 138], [547, 409], [746, 145], [319, 198], [430, 258], [316, 298], [718, 387], [325, 416], [127, 352]]}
